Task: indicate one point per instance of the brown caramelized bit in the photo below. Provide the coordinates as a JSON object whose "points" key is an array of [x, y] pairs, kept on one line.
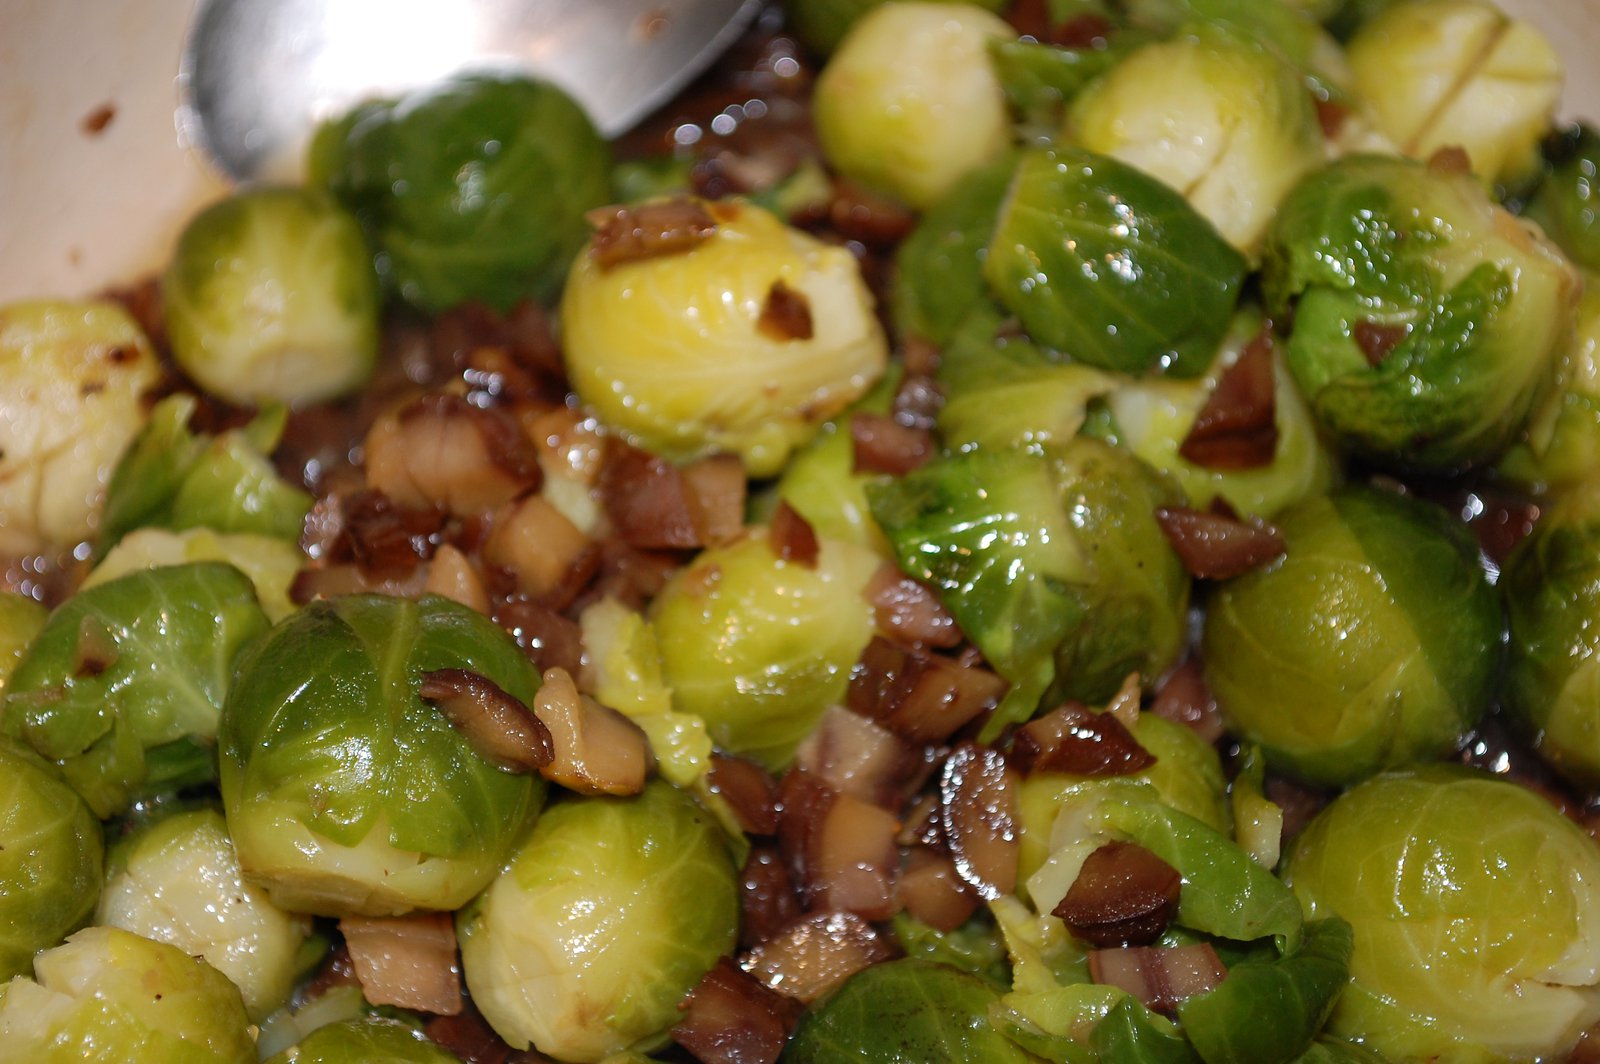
{"points": [[650, 230], [468, 1035], [883, 445], [853, 755], [1075, 739], [385, 538], [917, 401], [546, 555], [918, 695], [1450, 159], [95, 650], [978, 799], [768, 901], [550, 640], [908, 610], [443, 452], [498, 726], [1237, 428], [817, 953], [749, 790], [786, 314], [793, 538], [732, 1018], [95, 122], [594, 748], [1331, 117], [1184, 698], [931, 890], [1377, 339], [1162, 978], [859, 214], [1124, 896], [716, 486], [409, 961], [655, 505], [1213, 546]]}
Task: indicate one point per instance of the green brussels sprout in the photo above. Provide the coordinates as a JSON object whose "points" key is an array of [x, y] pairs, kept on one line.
{"points": [[1111, 266], [1213, 113], [367, 1041], [72, 383], [759, 647], [821, 484], [271, 296], [178, 880], [1565, 203], [1561, 448], [1040, 80], [1551, 589], [271, 563], [909, 103], [822, 24], [123, 687], [1050, 560], [473, 190], [21, 619], [1427, 320], [107, 996], [906, 1010], [1372, 643], [603, 920], [345, 793], [50, 859], [1458, 73], [673, 350], [1477, 928]]}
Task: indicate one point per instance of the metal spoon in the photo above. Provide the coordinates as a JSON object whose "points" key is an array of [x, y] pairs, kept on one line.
{"points": [[259, 75]]}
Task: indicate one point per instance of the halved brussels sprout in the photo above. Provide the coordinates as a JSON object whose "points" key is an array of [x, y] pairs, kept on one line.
{"points": [[909, 103], [678, 350], [72, 384], [107, 996], [1427, 320], [822, 24], [178, 880], [1475, 911], [475, 189], [1217, 115], [346, 793], [123, 687], [271, 563], [1371, 644], [603, 920], [367, 1041], [1561, 448], [270, 295], [50, 859], [1567, 201], [759, 647]]}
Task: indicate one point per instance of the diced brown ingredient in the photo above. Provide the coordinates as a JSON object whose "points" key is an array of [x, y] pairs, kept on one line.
{"points": [[1450, 159], [655, 505], [859, 214], [1214, 546], [498, 726], [1331, 117], [1377, 339], [650, 230], [451, 574], [1184, 698], [853, 755], [1083, 32], [1159, 977], [917, 401], [717, 487], [852, 859], [817, 953], [385, 538], [908, 610], [1237, 428], [730, 1017], [768, 901], [883, 445], [524, 334], [409, 961], [749, 790], [595, 749], [978, 799], [1075, 739], [468, 1035], [931, 890], [793, 538], [785, 314], [331, 581], [543, 552], [918, 695], [550, 640], [442, 452], [568, 443], [1124, 896]]}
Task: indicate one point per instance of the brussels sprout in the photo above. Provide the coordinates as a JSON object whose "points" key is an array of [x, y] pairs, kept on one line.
{"points": [[910, 103], [673, 350], [1372, 643], [1561, 448], [178, 880], [107, 996], [1213, 113], [1051, 561], [72, 384], [270, 563], [123, 687], [270, 295], [1477, 928], [1458, 73], [21, 619], [1427, 320], [1111, 266], [366, 1041], [822, 24], [1566, 201], [603, 920], [345, 793], [473, 190], [50, 859], [906, 1010], [1041, 79], [758, 647]]}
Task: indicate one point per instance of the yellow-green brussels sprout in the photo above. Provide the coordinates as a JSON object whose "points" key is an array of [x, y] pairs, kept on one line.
{"points": [[1458, 73], [178, 880], [345, 792], [367, 1041], [270, 295], [757, 646], [1477, 926], [107, 996], [910, 103], [1566, 201], [1215, 114], [50, 859], [603, 920], [475, 189], [270, 563], [1371, 644], [938, 276], [21, 619], [680, 351], [822, 24], [1561, 448], [1427, 319], [123, 687], [72, 384]]}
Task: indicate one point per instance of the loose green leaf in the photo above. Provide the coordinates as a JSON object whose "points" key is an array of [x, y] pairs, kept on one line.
{"points": [[939, 267], [1132, 1034]]}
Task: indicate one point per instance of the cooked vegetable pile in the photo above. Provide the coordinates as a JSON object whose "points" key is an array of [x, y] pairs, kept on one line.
{"points": [[1059, 531]]}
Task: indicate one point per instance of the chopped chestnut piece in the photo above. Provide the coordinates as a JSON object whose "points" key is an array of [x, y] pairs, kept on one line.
{"points": [[931, 890], [730, 1017], [918, 695], [1075, 739], [768, 901], [1160, 977], [498, 726], [909, 610], [1124, 896], [670, 227], [1215, 546], [595, 749], [883, 445], [655, 505], [1237, 427], [749, 790], [817, 953], [1184, 698], [793, 538], [978, 799], [854, 755]]}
